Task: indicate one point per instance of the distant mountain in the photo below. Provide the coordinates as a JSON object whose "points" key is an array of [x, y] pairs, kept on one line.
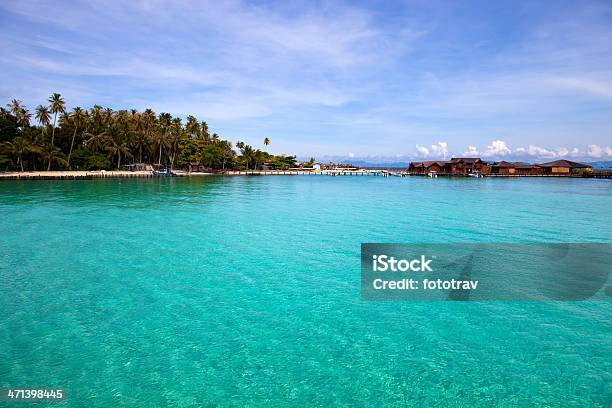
{"points": [[364, 163], [394, 162], [372, 161], [601, 165]]}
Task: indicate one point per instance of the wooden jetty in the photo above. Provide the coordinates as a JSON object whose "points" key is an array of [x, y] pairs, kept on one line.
{"points": [[333, 173], [102, 174], [74, 175]]}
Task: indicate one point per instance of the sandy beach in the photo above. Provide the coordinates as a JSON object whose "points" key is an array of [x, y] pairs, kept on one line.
{"points": [[37, 175], [69, 175]]}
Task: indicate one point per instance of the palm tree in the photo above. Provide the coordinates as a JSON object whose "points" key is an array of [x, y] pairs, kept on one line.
{"points": [[205, 132], [258, 158], [135, 117], [159, 143], [79, 117], [18, 147], [53, 154], [117, 147], [15, 107], [226, 152], [44, 118], [107, 117], [174, 140], [57, 105], [247, 154], [165, 120], [24, 118], [20, 112], [96, 116], [176, 125], [148, 119], [139, 141], [193, 126], [119, 134], [95, 141]]}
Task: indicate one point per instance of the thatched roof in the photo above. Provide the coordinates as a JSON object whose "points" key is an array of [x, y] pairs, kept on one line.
{"points": [[470, 160], [565, 163], [513, 165]]}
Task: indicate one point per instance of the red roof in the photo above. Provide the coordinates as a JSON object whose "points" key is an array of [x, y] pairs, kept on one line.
{"points": [[513, 165], [565, 163], [466, 159]]}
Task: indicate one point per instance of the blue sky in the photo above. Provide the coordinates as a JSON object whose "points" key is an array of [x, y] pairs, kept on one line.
{"points": [[401, 80]]}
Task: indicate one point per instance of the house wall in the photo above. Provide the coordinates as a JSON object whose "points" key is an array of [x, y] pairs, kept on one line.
{"points": [[462, 168], [515, 171], [534, 170], [501, 170], [434, 167]]}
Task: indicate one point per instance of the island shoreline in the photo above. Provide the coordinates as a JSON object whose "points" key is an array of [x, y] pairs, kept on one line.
{"points": [[103, 174]]}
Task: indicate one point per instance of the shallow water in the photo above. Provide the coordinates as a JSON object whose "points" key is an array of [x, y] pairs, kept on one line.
{"points": [[245, 291]]}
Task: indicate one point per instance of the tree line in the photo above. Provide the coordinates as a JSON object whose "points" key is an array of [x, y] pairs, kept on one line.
{"points": [[55, 138]]}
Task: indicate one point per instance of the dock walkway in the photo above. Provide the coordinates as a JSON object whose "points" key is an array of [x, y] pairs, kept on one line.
{"points": [[89, 175], [73, 175]]}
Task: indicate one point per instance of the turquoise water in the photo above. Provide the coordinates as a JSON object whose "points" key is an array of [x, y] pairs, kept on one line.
{"points": [[244, 291]]}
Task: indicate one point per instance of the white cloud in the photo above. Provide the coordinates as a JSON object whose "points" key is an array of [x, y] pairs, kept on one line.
{"points": [[609, 150], [594, 151], [536, 151], [542, 152], [436, 151], [249, 67], [575, 152], [564, 152], [422, 150], [471, 151], [351, 155], [247, 60], [497, 148], [439, 149]]}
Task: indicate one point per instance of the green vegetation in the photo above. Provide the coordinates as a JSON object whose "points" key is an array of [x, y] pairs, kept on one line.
{"points": [[101, 138]]}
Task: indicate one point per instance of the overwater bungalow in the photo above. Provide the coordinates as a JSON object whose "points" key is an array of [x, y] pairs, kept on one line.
{"points": [[455, 166], [425, 167], [458, 166], [561, 167], [467, 165], [517, 168]]}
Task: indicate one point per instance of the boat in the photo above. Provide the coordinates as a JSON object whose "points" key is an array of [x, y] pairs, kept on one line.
{"points": [[432, 174], [477, 175], [163, 173]]}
